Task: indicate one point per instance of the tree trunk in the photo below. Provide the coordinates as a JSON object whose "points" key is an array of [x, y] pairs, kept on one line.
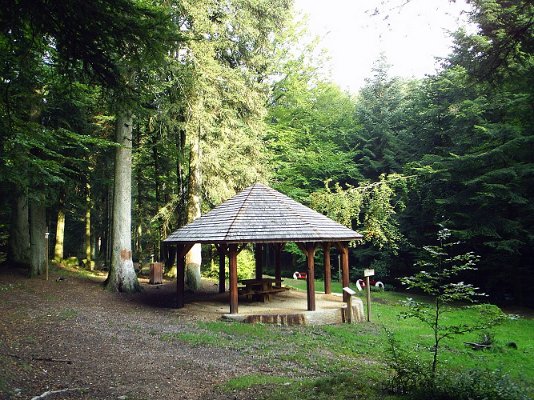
{"points": [[87, 244], [122, 275], [139, 199], [19, 235], [60, 229], [37, 238], [157, 184], [193, 259], [180, 137]]}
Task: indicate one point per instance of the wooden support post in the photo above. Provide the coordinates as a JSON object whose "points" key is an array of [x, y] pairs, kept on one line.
{"points": [[310, 281], [221, 248], [232, 256], [258, 255], [327, 269], [278, 262], [343, 248], [309, 250], [368, 292]]}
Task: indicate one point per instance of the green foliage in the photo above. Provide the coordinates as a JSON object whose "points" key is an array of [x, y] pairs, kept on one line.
{"points": [[310, 122], [369, 208], [238, 79], [380, 113], [472, 128], [437, 283], [211, 92], [246, 266], [410, 373], [343, 386], [475, 384], [503, 42]]}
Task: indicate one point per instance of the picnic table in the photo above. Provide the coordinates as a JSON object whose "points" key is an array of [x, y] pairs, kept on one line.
{"points": [[260, 289]]}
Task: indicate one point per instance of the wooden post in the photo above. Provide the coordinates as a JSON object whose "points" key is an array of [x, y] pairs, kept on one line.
{"points": [[309, 250], [327, 269], [258, 255], [368, 290], [222, 267], [232, 255], [339, 277], [278, 262], [368, 273], [310, 280], [343, 248], [349, 314]]}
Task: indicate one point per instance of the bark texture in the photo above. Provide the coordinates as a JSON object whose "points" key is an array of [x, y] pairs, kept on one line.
{"points": [[37, 238], [88, 249], [19, 235], [122, 275], [60, 235], [193, 259]]}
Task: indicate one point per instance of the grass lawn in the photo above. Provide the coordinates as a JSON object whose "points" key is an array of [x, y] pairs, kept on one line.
{"points": [[349, 361]]}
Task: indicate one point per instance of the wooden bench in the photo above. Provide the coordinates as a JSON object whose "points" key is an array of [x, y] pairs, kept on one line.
{"points": [[260, 289]]}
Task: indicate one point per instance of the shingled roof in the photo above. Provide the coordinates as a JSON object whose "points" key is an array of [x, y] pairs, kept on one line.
{"points": [[260, 214]]}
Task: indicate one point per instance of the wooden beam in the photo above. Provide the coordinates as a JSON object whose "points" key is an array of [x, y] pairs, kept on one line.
{"points": [[327, 268], [232, 256], [258, 256]]}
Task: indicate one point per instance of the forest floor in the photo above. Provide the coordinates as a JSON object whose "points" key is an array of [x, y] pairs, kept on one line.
{"points": [[68, 338], [71, 336]]}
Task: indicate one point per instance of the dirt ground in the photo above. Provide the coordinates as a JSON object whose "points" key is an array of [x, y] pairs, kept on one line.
{"points": [[70, 335]]}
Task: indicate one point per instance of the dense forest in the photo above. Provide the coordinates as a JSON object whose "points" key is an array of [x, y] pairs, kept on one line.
{"points": [[123, 120]]}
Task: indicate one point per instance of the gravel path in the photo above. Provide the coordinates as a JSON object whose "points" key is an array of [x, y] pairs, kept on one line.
{"points": [[72, 334]]}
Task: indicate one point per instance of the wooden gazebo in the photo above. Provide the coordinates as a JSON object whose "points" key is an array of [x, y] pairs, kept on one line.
{"points": [[263, 216]]}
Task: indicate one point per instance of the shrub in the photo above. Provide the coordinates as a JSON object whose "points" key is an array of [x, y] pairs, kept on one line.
{"points": [[410, 374], [475, 384], [412, 378], [438, 283]]}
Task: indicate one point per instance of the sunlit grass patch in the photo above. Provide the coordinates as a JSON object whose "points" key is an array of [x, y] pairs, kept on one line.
{"points": [[247, 381], [193, 338]]}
